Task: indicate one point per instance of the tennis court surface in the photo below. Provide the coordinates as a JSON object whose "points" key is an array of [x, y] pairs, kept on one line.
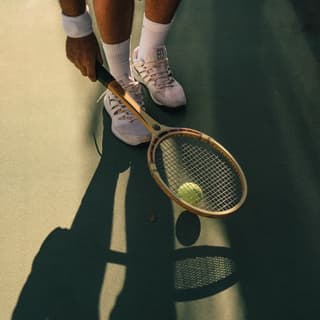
{"points": [[90, 236]]}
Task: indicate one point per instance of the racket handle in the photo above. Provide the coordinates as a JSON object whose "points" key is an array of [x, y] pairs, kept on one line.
{"points": [[103, 75], [110, 83]]}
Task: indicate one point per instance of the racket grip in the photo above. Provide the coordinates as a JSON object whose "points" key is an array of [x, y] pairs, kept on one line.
{"points": [[103, 75]]}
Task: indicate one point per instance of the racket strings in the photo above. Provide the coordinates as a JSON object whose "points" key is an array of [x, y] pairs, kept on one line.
{"points": [[181, 159]]}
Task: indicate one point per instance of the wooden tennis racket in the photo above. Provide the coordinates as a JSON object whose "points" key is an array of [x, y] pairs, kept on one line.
{"points": [[190, 167]]}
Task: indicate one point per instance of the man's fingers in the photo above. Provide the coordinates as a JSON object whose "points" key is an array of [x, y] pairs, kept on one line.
{"points": [[91, 66], [84, 52], [81, 67], [91, 69]]}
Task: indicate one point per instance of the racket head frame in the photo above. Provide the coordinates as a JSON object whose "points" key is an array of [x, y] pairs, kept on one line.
{"points": [[165, 133]]}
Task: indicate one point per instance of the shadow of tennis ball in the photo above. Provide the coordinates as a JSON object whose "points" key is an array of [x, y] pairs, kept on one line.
{"points": [[188, 228]]}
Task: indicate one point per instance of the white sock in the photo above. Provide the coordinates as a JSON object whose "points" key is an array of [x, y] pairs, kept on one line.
{"points": [[117, 56], [153, 35]]}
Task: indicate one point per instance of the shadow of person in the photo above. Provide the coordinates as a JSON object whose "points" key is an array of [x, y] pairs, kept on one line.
{"points": [[147, 290], [68, 271]]}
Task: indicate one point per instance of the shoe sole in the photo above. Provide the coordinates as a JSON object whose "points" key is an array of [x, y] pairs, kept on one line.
{"points": [[126, 142], [120, 137]]}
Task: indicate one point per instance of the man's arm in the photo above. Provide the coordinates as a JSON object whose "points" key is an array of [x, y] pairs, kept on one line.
{"points": [[84, 51], [73, 8]]}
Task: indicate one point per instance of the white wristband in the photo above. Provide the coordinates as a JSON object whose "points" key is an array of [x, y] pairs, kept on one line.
{"points": [[77, 27]]}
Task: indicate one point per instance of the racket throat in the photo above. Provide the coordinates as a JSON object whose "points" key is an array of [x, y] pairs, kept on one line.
{"points": [[150, 124]]}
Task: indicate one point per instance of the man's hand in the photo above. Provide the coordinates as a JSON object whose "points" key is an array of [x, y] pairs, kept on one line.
{"points": [[84, 52]]}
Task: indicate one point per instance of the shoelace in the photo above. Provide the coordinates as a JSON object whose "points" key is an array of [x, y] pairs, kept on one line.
{"points": [[159, 73], [118, 108]]}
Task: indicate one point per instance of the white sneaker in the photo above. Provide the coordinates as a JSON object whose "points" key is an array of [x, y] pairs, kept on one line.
{"points": [[125, 126], [154, 72]]}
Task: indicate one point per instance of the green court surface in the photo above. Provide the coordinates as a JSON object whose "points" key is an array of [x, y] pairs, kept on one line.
{"points": [[89, 236]]}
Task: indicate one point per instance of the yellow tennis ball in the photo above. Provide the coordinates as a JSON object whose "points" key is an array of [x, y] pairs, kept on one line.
{"points": [[190, 192]]}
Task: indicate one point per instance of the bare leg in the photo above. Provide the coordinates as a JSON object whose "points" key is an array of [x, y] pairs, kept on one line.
{"points": [[114, 19], [156, 25], [161, 11]]}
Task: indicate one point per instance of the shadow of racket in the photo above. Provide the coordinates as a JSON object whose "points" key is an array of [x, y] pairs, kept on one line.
{"points": [[199, 271]]}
